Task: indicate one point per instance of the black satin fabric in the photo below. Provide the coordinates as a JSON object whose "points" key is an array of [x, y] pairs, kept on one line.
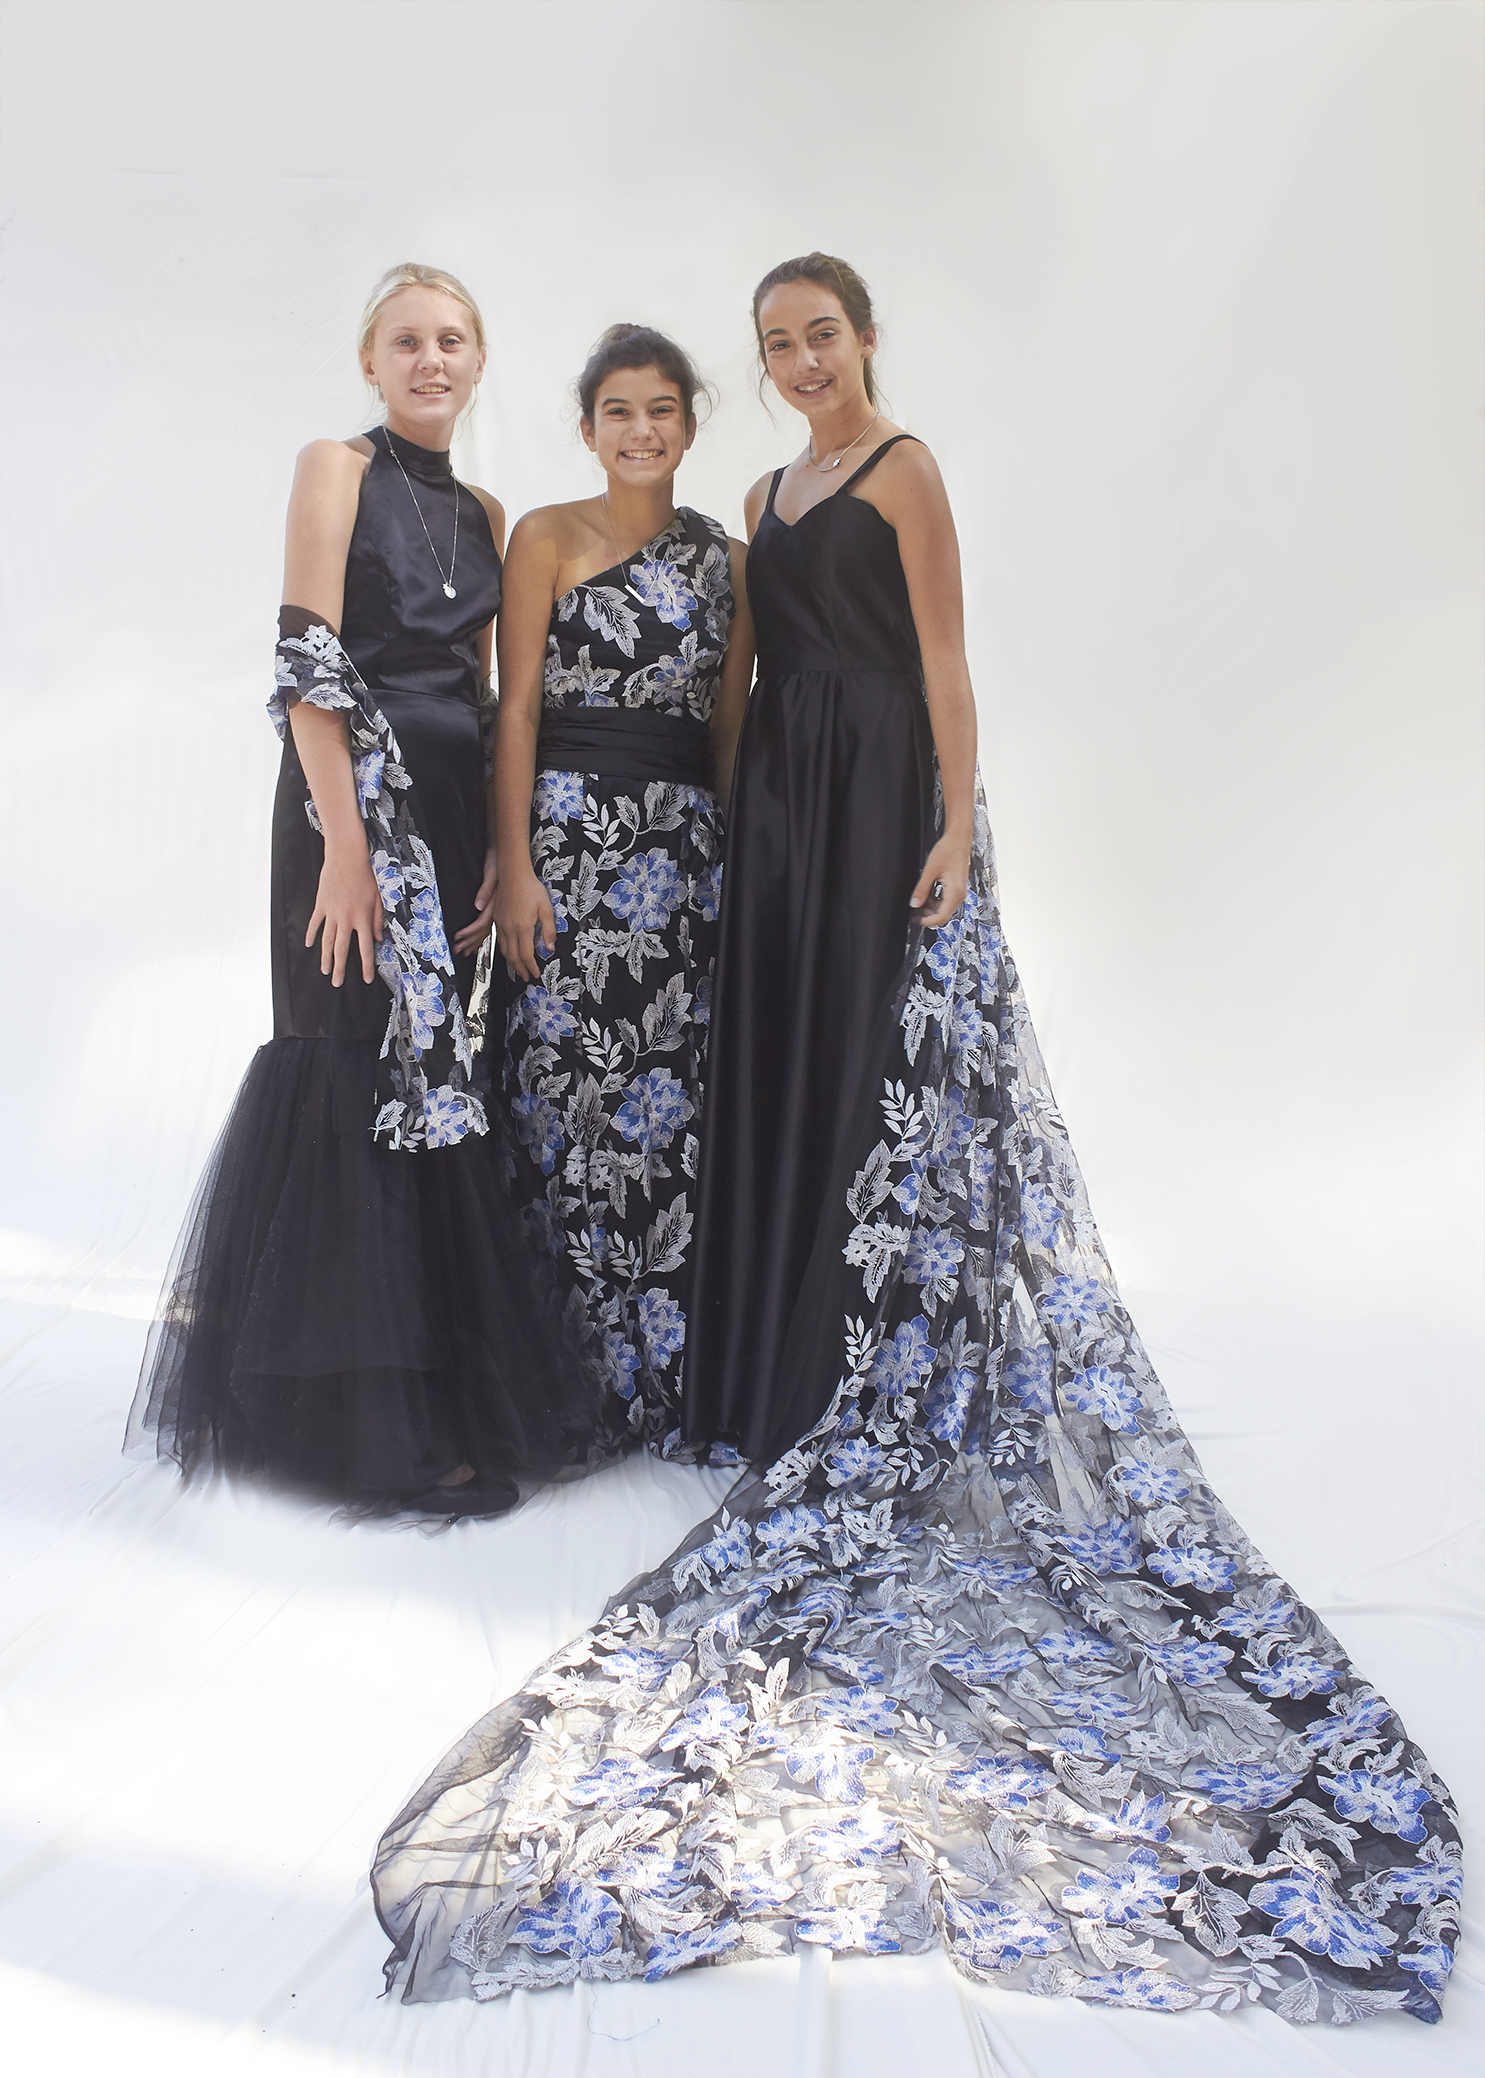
{"points": [[832, 816], [627, 743], [415, 648]]}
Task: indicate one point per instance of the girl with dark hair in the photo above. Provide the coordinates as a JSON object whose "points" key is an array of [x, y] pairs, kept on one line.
{"points": [[353, 1308], [976, 1657], [625, 652]]}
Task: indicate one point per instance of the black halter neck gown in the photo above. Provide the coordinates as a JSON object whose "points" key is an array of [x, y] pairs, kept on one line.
{"points": [[832, 816], [340, 1316]]}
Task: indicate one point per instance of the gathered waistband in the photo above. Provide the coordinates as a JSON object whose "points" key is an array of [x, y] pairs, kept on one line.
{"points": [[627, 743]]}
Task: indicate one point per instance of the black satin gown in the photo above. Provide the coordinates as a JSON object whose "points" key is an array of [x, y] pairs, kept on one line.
{"points": [[340, 1316], [833, 813]]}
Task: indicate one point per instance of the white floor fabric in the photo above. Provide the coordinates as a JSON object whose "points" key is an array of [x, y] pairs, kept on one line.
{"points": [[214, 1699]]}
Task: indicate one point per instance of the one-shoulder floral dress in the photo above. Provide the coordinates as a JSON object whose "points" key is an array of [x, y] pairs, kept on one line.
{"points": [[604, 1056]]}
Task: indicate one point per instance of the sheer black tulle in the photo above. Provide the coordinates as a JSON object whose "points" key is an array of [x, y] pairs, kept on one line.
{"points": [[345, 1319]]}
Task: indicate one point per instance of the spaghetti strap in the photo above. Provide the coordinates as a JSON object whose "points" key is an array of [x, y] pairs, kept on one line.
{"points": [[773, 488], [871, 461]]}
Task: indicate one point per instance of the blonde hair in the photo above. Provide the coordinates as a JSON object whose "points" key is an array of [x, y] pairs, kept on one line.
{"points": [[411, 274]]}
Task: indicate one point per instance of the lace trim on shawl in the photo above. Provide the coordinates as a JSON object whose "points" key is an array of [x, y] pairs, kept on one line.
{"points": [[422, 1096]]}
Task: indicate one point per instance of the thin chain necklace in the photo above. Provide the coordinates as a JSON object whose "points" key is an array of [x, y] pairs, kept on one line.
{"points": [[613, 537], [823, 467], [448, 582]]}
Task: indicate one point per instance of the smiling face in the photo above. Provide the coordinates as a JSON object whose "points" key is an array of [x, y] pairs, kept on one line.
{"points": [[814, 356], [424, 358], [639, 429]]}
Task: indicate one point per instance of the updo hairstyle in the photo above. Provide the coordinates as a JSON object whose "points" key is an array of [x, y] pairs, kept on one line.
{"points": [[827, 272], [639, 346], [411, 275]]}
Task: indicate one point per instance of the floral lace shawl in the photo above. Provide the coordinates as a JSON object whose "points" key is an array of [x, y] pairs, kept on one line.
{"points": [[422, 1096], [982, 1662]]}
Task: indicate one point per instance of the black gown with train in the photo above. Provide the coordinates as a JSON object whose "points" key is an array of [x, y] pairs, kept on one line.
{"points": [[343, 1315], [974, 1656]]}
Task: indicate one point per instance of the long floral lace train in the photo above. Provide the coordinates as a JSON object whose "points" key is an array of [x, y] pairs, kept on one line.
{"points": [[983, 1661]]}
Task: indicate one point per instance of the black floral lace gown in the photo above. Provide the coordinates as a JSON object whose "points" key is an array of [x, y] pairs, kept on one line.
{"points": [[604, 1056], [344, 1313], [974, 1656]]}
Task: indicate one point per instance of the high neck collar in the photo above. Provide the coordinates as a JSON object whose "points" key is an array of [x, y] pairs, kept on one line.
{"points": [[428, 462]]}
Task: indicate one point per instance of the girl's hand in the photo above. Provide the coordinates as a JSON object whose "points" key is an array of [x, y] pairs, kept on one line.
{"points": [[522, 908], [947, 869], [473, 936], [349, 906]]}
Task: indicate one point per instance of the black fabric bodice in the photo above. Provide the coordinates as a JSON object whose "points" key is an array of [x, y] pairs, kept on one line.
{"points": [[828, 593], [398, 627]]}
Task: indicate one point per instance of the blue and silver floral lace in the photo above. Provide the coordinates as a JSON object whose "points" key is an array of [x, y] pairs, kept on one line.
{"points": [[982, 1662], [422, 1097]]}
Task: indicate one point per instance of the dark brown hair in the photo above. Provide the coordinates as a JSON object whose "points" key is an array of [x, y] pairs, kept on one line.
{"points": [[638, 346], [827, 272]]}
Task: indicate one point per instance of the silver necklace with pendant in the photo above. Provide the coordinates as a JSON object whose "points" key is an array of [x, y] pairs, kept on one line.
{"points": [[448, 582], [825, 467]]}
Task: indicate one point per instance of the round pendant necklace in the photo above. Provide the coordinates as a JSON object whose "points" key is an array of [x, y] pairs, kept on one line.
{"points": [[823, 467], [448, 582]]}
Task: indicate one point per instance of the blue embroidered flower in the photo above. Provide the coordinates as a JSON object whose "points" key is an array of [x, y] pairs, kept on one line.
{"points": [[676, 1951], [710, 1719], [621, 1358], [1295, 1674], [1432, 1964], [864, 1836], [941, 949], [559, 797], [902, 1363], [663, 1326], [369, 771], [1069, 1301], [932, 1255], [636, 1666], [426, 929], [993, 1935], [1003, 1779], [389, 884], [707, 892], [654, 1109], [946, 1409], [1389, 1802], [422, 996], [1029, 1376], [858, 1710], [787, 1529], [1360, 1716], [575, 1918], [617, 1783], [1243, 1785], [646, 889], [1041, 1216], [537, 1127], [834, 1770], [853, 1461], [1308, 1912], [1143, 1990], [450, 1115], [1077, 1649], [544, 1015], [956, 1129], [1123, 1893], [1105, 1547], [729, 1549], [979, 1669], [754, 1888], [1148, 1484], [660, 584], [1187, 1661], [1192, 1565], [1107, 1394]]}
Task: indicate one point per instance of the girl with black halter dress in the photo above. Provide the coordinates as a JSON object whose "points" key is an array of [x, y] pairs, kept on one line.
{"points": [[975, 1657], [353, 1308]]}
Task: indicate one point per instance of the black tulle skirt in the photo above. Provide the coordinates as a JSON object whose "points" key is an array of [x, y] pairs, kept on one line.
{"points": [[354, 1321]]}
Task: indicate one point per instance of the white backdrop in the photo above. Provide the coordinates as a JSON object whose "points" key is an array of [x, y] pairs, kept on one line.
{"points": [[1185, 295]]}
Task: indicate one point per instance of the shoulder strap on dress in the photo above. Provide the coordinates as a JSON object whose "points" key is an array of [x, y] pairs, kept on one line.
{"points": [[773, 488], [873, 458]]}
